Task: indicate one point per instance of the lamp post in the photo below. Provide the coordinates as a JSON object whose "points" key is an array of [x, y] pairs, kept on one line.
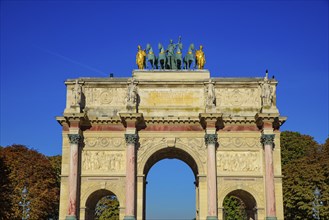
{"points": [[316, 203], [25, 204]]}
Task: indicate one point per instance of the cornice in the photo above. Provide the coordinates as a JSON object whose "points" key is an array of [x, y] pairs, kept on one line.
{"points": [[239, 120], [69, 117], [274, 118], [172, 120]]}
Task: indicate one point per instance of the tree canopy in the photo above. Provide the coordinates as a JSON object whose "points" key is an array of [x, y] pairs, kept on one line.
{"points": [[19, 167], [305, 165]]}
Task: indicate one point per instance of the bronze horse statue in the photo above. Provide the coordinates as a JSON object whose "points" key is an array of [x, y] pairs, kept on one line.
{"points": [[190, 57], [162, 60], [152, 59]]}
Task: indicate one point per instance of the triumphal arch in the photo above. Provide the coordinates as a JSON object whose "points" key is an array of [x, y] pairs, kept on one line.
{"points": [[225, 129]]}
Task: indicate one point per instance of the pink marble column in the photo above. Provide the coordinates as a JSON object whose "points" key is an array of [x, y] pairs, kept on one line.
{"points": [[73, 175], [131, 140], [267, 140], [211, 140]]}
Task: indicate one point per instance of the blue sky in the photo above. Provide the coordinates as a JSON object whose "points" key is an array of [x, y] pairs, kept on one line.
{"points": [[43, 43]]}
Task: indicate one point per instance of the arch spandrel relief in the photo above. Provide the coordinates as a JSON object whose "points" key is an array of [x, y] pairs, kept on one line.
{"points": [[194, 147]]}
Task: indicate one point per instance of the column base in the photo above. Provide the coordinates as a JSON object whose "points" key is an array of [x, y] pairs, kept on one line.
{"points": [[212, 218], [270, 218], [70, 217], [129, 218]]}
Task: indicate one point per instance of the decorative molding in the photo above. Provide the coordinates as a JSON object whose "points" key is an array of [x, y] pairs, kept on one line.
{"points": [[267, 139], [131, 138], [75, 138], [210, 139], [239, 142], [103, 142]]}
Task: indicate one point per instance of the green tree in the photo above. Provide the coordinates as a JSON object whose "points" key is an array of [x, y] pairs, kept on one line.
{"points": [[107, 208], [234, 208], [304, 166], [295, 145], [22, 166]]}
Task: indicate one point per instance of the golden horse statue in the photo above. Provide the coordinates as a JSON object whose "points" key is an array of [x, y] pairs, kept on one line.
{"points": [[200, 58], [140, 58]]}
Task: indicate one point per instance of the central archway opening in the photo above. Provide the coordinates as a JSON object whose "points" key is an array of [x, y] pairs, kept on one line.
{"points": [[171, 187]]}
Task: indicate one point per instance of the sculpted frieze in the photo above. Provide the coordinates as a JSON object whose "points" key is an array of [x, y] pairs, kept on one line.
{"points": [[238, 97], [104, 142], [105, 96], [239, 142], [103, 161], [239, 161]]}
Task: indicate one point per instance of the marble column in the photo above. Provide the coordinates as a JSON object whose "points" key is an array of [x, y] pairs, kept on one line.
{"points": [[267, 141], [211, 140], [75, 139], [131, 140]]}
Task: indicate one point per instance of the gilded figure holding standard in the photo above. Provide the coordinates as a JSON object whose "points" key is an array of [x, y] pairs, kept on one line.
{"points": [[141, 58], [200, 58]]}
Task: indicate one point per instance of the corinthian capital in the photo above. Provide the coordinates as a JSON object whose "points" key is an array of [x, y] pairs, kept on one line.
{"points": [[267, 139], [131, 138], [210, 138], [75, 138]]}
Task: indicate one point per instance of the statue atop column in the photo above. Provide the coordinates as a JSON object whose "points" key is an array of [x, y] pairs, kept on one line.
{"points": [[268, 96], [132, 95], [210, 97], [76, 101], [267, 92]]}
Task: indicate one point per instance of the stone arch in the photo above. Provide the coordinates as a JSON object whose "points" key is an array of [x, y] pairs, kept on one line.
{"points": [[93, 200], [98, 190], [254, 193], [161, 151], [247, 195]]}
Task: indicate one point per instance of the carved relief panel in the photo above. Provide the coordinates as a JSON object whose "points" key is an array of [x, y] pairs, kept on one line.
{"points": [[239, 162], [238, 97], [105, 101], [103, 161]]}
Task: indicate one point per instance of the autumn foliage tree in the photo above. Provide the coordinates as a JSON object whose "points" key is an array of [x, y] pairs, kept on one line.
{"points": [[21, 166]]}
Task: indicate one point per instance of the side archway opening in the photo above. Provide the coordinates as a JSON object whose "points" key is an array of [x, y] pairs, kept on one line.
{"points": [[102, 204], [239, 204]]}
